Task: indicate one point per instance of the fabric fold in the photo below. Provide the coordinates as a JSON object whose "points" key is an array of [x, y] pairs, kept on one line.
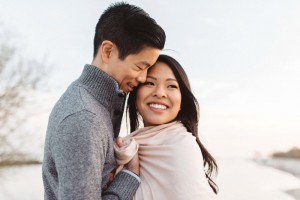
{"points": [[125, 154]]}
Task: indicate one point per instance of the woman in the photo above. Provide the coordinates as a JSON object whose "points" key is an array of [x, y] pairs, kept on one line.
{"points": [[172, 158]]}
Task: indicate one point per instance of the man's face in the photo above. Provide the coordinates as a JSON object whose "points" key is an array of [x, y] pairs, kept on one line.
{"points": [[133, 69]]}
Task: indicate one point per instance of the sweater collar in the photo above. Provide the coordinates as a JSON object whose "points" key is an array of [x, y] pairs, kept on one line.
{"points": [[103, 87]]}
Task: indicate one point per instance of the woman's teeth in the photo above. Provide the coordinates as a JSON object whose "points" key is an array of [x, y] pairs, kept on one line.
{"points": [[158, 106]]}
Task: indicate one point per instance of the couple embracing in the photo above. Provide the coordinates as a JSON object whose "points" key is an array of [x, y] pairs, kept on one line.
{"points": [[163, 158]]}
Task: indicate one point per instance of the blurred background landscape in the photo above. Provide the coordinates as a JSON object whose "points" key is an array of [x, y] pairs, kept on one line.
{"points": [[242, 58]]}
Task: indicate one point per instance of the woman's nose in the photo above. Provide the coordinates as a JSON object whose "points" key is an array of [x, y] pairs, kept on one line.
{"points": [[160, 92]]}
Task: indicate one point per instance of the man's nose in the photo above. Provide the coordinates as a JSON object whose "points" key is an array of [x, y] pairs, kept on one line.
{"points": [[142, 77]]}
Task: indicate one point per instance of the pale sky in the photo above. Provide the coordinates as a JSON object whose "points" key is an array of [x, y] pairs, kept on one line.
{"points": [[242, 57]]}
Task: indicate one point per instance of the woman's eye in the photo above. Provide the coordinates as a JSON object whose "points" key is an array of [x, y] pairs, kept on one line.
{"points": [[148, 83], [172, 86]]}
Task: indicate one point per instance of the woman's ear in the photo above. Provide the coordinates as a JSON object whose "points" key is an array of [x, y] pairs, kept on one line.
{"points": [[106, 49]]}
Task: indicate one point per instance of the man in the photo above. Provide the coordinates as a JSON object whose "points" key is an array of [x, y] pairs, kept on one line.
{"points": [[78, 155]]}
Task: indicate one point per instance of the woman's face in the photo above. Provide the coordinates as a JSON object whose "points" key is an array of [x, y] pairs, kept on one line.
{"points": [[158, 99]]}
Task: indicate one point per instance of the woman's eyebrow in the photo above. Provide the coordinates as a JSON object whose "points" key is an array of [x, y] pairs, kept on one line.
{"points": [[152, 77], [171, 79], [168, 79]]}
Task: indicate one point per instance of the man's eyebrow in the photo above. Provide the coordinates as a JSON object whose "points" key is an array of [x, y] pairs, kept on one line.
{"points": [[144, 63]]}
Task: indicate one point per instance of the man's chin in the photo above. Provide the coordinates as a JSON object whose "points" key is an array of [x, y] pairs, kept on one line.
{"points": [[126, 90]]}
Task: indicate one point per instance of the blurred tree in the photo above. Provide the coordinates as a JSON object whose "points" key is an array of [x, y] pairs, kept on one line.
{"points": [[17, 76], [292, 153]]}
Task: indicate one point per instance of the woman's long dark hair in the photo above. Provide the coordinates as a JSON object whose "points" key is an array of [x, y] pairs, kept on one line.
{"points": [[188, 115]]}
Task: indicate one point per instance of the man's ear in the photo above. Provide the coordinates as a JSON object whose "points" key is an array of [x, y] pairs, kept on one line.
{"points": [[106, 49]]}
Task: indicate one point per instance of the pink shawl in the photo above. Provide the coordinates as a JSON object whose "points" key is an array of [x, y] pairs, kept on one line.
{"points": [[171, 163]]}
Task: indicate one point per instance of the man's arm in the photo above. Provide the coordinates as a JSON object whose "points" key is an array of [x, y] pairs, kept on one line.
{"points": [[79, 151], [123, 186]]}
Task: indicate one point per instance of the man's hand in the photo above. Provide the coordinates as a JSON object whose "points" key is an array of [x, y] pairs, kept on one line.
{"points": [[134, 164]]}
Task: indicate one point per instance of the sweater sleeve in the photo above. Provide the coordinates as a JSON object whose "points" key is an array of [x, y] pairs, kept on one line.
{"points": [[79, 151]]}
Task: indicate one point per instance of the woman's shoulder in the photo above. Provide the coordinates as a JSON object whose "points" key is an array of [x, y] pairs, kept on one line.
{"points": [[178, 134]]}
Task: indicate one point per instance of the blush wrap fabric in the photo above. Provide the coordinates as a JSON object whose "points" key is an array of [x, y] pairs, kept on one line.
{"points": [[171, 163]]}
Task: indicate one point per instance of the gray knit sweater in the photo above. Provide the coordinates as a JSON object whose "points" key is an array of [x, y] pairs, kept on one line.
{"points": [[78, 154]]}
